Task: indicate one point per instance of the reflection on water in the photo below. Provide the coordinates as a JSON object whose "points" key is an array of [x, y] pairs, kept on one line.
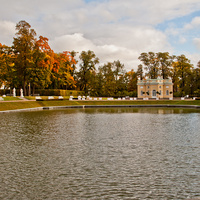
{"points": [[112, 153]]}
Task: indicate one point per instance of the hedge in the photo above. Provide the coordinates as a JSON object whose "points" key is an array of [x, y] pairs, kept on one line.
{"points": [[9, 92], [57, 92]]}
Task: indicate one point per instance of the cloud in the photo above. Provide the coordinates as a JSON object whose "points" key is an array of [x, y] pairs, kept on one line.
{"points": [[75, 42], [7, 30], [150, 11], [197, 42], [182, 40], [113, 29], [194, 24], [194, 58], [115, 46]]}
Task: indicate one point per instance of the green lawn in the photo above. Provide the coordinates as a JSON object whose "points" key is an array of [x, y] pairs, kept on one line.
{"points": [[11, 98], [32, 104]]}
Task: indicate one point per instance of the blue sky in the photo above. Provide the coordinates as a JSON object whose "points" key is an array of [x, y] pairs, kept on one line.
{"points": [[182, 42], [113, 29]]}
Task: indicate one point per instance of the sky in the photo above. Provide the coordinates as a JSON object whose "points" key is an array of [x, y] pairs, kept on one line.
{"points": [[113, 29]]}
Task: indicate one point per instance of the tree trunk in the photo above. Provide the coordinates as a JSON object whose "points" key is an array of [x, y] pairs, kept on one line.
{"points": [[33, 89], [24, 88]]}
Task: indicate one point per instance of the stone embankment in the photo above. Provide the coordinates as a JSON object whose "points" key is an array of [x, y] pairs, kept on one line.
{"points": [[102, 106]]}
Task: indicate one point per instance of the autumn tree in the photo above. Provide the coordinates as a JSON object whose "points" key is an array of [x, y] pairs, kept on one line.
{"points": [[132, 82], [40, 72], [66, 70], [23, 45]]}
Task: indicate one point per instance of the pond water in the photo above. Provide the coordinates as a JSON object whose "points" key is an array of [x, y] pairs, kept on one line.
{"points": [[104, 153]]}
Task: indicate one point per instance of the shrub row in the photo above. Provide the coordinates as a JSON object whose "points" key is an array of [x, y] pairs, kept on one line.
{"points": [[46, 92]]}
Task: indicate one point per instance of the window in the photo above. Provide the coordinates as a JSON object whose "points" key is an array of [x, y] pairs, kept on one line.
{"points": [[160, 92], [141, 93], [167, 92], [159, 86], [167, 86], [154, 93]]}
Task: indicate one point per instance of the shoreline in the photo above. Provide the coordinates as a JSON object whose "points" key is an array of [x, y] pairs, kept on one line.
{"points": [[102, 106]]}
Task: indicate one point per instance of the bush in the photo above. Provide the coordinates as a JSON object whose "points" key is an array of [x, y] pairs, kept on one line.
{"points": [[126, 93], [197, 93], [9, 92], [177, 94], [2, 92], [58, 92]]}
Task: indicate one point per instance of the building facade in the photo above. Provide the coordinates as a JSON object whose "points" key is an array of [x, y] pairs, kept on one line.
{"points": [[155, 88]]}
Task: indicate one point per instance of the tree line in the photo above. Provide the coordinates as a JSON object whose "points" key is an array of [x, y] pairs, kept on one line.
{"points": [[185, 77], [31, 64]]}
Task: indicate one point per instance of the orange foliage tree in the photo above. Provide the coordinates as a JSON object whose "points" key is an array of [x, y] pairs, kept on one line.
{"points": [[42, 64], [6, 66], [63, 71]]}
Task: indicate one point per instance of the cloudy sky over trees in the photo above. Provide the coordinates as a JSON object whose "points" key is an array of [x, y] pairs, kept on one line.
{"points": [[113, 29]]}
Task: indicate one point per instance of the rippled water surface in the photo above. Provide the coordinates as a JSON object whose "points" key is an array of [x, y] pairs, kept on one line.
{"points": [[100, 154]]}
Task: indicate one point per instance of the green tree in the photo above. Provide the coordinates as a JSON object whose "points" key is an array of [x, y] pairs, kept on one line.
{"points": [[157, 64], [109, 83], [139, 72], [87, 66], [120, 78], [94, 84], [183, 71], [196, 80], [118, 69], [99, 83], [165, 63], [150, 60], [175, 78]]}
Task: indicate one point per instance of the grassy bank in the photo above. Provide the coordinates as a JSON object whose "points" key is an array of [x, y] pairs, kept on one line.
{"points": [[33, 104]]}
